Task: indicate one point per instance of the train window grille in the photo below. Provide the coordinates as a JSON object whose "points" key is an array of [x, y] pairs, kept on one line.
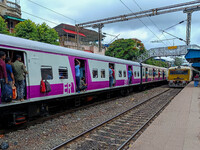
{"points": [[95, 73], [135, 74], [138, 74], [124, 73], [120, 73], [63, 73], [103, 73], [143, 72], [46, 72]]}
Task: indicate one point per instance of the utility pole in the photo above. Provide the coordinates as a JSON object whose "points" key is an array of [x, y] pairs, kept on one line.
{"points": [[99, 26], [77, 37]]}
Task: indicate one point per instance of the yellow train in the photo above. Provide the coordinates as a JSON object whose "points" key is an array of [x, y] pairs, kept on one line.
{"points": [[179, 76]]}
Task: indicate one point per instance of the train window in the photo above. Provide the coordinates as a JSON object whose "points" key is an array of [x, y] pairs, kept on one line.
{"points": [[135, 74], [120, 73], [138, 74], [124, 73], [95, 73], [150, 72], [103, 73], [46, 72], [63, 73]]}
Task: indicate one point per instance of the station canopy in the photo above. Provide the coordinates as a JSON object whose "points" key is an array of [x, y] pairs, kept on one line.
{"points": [[193, 56]]}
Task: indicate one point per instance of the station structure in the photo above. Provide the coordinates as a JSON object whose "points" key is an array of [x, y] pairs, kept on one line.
{"points": [[10, 10]]}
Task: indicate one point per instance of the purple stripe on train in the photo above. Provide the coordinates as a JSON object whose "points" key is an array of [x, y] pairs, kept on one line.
{"points": [[56, 89]]}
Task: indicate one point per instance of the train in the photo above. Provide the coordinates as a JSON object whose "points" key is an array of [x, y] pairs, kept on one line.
{"points": [[180, 76], [42, 60]]}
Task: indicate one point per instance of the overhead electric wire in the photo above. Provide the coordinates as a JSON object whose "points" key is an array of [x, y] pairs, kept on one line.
{"points": [[52, 10], [142, 22], [39, 17], [151, 20], [175, 24]]}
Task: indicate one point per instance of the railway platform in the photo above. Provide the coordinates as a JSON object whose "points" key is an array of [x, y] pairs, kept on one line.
{"points": [[177, 127]]}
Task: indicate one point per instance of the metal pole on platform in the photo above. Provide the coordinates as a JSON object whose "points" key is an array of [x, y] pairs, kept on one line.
{"points": [[188, 28]]}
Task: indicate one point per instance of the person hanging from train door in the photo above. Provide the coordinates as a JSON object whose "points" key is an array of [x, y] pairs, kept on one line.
{"points": [[19, 71], [146, 75], [130, 74], [77, 72], [3, 73], [158, 74], [113, 75], [154, 74], [110, 76]]}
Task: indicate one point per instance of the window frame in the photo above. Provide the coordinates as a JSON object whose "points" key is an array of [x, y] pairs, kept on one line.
{"points": [[67, 75], [95, 69], [46, 67]]}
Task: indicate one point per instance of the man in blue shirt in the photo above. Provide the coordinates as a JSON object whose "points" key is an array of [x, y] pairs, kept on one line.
{"points": [[77, 71], [110, 76], [11, 79], [130, 74]]}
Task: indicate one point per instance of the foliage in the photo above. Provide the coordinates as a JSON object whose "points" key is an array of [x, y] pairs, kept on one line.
{"points": [[154, 62], [178, 61], [3, 26], [26, 29], [127, 49], [47, 35], [43, 33]]}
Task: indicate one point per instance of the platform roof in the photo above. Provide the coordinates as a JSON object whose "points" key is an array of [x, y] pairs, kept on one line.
{"points": [[193, 55]]}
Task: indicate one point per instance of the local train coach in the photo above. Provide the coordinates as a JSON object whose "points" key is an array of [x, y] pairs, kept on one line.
{"points": [[56, 65]]}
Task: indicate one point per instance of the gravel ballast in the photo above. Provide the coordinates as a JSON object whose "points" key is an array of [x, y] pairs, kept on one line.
{"points": [[53, 132]]}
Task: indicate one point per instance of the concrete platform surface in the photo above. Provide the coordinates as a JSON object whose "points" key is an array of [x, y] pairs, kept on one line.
{"points": [[177, 127]]}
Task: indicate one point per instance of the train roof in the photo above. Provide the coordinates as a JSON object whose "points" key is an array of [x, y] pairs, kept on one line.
{"points": [[16, 42], [147, 65], [180, 67]]}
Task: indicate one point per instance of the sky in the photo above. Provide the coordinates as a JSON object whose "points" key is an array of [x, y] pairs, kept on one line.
{"points": [[146, 30]]}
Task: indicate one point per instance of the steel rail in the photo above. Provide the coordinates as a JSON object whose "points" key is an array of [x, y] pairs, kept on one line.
{"points": [[105, 122], [137, 131]]}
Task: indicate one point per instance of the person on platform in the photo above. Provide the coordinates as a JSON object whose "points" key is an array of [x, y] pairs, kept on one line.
{"points": [[196, 80], [19, 70]]}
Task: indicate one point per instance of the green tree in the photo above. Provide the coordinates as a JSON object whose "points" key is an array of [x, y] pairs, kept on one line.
{"points": [[127, 49], [43, 33], [47, 35], [26, 29], [178, 61], [154, 62], [3, 26]]}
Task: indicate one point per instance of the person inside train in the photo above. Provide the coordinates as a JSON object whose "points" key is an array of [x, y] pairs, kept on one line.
{"points": [[146, 75], [130, 74], [158, 74], [83, 85], [3, 73], [163, 74], [77, 72], [113, 74], [154, 74], [19, 71], [11, 79], [110, 76]]}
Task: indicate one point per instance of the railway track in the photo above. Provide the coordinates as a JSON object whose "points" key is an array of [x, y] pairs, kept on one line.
{"points": [[118, 131]]}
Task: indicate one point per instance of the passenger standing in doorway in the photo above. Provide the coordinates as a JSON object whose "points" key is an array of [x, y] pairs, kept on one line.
{"points": [[130, 74], [3, 73], [19, 71], [196, 80], [77, 71], [110, 76], [11, 79], [113, 74]]}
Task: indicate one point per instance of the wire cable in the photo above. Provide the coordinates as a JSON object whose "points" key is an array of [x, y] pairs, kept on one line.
{"points": [[142, 22], [150, 20], [52, 10], [175, 24]]}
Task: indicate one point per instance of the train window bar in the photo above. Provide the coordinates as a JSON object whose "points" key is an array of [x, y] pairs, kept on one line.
{"points": [[46, 73], [103, 73], [95, 73], [63, 72], [120, 73]]}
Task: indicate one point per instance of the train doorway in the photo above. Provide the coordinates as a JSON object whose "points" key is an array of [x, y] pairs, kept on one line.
{"points": [[12, 54], [112, 75], [81, 74]]}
